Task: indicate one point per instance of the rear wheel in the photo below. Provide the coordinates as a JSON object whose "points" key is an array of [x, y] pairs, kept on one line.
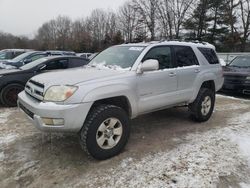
{"points": [[10, 93], [203, 106], [105, 131]]}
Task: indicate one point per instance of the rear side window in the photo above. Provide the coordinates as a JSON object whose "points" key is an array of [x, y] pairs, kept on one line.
{"points": [[75, 62], [57, 64], [210, 55], [185, 56]]}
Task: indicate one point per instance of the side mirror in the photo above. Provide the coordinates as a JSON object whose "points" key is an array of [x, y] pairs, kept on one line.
{"points": [[149, 65], [41, 67], [26, 61]]}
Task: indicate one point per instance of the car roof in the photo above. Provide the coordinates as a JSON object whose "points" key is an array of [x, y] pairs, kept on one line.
{"points": [[63, 56], [180, 43]]}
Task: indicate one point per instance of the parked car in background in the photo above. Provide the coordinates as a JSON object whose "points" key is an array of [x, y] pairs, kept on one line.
{"points": [[12, 81], [32, 56], [237, 75], [58, 52], [93, 55], [11, 53], [84, 55], [22, 59]]}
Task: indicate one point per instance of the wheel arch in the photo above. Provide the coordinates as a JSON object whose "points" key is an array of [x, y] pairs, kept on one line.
{"points": [[120, 101]]}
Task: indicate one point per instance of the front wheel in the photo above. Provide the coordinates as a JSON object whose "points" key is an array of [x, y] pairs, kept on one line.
{"points": [[10, 93], [203, 106], [105, 131]]}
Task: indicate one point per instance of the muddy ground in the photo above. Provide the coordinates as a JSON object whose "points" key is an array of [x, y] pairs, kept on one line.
{"points": [[165, 149]]}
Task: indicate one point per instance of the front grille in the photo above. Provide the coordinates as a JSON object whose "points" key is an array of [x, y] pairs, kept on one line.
{"points": [[235, 79], [29, 113], [35, 89]]}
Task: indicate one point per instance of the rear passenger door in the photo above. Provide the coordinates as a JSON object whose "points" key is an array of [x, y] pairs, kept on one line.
{"points": [[187, 70]]}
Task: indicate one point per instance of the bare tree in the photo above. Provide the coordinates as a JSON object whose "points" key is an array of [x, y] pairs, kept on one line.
{"points": [[245, 17], [180, 9], [128, 21], [147, 9]]}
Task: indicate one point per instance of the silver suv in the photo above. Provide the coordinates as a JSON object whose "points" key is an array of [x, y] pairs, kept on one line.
{"points": [[119, 84]]}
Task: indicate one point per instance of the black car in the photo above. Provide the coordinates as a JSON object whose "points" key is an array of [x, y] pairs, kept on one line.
{"points": [[237, 75], [13, 81], [23, 59]]}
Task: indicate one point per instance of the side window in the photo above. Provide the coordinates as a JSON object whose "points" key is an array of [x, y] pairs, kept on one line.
{"points": [[185, 56], [162, 54], [210, 55], [37, 56], [57, 64], [75, 62]]}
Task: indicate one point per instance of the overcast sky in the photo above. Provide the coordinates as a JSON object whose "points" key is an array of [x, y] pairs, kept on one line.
{"points": [[24, 17]]}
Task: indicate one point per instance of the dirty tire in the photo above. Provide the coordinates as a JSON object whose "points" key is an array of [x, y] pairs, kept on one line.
{"points": [[89, 131], [9, 94], [196, 108]]}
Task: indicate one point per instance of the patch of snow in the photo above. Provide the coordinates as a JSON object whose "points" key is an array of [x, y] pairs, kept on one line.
{"points": [[232, 98], [227, 107], [242, 119], [198, 163], [4, 66], [126, 162], [4, 116], [29, 166], [136, 48], [2, 156], [222, 62], [244, 185], [7, 139], [104, 66]]}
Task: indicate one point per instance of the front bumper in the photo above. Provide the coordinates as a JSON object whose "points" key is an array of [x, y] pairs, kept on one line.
{"points": [[239, 88], [73, 115]]}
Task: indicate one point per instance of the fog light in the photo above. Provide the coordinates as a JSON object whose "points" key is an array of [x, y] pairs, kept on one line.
{"points": [[51, 121]]}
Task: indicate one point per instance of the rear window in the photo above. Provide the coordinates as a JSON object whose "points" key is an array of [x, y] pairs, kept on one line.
{"points": [[210, 55]]}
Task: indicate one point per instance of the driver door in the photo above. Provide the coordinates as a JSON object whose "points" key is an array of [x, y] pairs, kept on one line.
{"points": [[157, 89]]}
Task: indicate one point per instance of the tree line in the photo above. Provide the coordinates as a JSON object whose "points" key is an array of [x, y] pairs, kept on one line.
{"points": [[224, 23]]}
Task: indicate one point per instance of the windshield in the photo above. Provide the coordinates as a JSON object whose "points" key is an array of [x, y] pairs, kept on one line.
{"points": [[21, 57], [241, 61], [33, 64], [117, 57]]}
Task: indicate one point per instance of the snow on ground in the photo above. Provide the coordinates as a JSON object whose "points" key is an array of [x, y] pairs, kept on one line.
{"points": [[232, 98], [6, 139], [199, 162], [4, 116]]}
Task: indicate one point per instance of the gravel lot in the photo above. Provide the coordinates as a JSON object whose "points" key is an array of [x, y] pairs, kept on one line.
{"points": [[166, 149]]}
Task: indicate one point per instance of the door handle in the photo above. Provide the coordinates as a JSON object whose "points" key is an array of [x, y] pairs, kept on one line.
{"points": [[197, 70], [172, 74]]}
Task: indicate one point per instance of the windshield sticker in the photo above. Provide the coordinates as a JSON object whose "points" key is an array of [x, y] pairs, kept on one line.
{"points": [[136, 48]]}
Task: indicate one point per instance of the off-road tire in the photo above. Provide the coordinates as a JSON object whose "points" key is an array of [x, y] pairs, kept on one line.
{"points": [[196, 107], [96, 116], [9, 93]]}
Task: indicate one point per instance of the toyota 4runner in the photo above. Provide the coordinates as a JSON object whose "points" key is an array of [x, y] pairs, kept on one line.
{"points": [[119, 84]]}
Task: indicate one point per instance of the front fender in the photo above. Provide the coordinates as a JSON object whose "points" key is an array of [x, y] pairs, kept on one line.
{"points": [[114, 90]]}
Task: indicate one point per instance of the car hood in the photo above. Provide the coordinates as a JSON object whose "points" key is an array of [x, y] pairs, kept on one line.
{"points": [[75, 76], [236, 71]]}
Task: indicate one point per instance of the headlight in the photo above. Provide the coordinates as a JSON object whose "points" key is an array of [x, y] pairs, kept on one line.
{"points": [[59, 93], [248, 78]]}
